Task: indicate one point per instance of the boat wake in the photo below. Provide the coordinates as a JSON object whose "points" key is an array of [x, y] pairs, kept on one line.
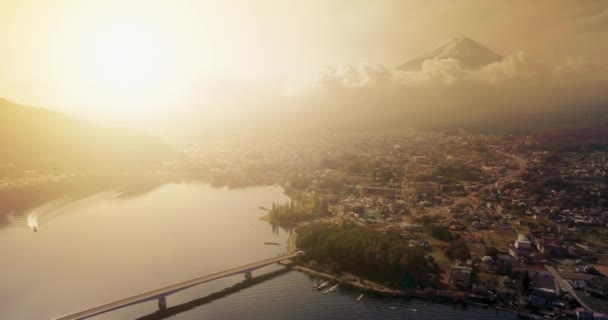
{"points": [[32, 221], [65, 203]]}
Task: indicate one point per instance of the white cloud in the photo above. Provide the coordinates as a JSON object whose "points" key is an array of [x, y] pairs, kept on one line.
{"points": [[444, 92], [448, 72]]}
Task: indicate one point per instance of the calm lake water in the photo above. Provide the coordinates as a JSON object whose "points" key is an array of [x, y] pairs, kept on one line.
{"points": [[101, 248]]}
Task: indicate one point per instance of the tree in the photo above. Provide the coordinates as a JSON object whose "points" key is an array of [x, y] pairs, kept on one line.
{"points": [[524, 281], [458, 250], [509, 269], [491, 251], [367, 253]]}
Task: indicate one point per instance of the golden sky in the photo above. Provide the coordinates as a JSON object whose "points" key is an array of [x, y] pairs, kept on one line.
{"points": [[131, 61]]}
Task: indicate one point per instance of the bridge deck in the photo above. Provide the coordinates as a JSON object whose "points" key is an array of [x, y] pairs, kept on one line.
{"points": [[163, 292]]}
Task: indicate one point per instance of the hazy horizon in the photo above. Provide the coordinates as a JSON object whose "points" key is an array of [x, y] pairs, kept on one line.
{"points": [[178, 66], [323, 159]]}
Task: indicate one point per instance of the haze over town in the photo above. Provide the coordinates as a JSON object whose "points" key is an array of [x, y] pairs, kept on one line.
{"points": [[218, 159], [182, 65]]}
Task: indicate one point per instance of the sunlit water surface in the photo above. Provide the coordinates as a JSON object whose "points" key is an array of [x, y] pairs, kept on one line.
{"points": [[95, 250]]}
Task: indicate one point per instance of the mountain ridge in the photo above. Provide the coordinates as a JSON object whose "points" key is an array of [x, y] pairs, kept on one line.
{"points": [[42, 138], [470, 53]]}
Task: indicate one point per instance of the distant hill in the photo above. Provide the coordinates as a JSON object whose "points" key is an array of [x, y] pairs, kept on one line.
{"points": [[41, 138], [470, 53]]}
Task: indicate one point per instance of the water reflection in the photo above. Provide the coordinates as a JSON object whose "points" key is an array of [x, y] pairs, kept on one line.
{"points": [[33, 200], [192, 304], [94, 247]]}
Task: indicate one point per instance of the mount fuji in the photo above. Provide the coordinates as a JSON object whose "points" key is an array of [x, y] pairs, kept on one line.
{"points": [[470, 54]]}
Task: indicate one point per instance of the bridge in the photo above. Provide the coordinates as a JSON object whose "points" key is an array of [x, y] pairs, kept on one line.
{"points": [[162, 293]]}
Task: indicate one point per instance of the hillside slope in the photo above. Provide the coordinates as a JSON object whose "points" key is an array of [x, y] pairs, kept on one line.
{"points": [[40, 138]]}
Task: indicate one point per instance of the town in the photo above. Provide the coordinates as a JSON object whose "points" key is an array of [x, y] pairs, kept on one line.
{"points": [[508, 220]]}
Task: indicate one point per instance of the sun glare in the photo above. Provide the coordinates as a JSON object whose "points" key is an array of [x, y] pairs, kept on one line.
{"points": [[125, 60], [129, 65]]}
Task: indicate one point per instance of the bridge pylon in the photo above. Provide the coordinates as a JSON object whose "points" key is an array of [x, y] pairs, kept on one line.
{"points": [[162, 303], [162, 293]]}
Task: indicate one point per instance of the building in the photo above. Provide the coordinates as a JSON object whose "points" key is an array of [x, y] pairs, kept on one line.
{"points": [[542, 288], [522, 243], [583, 314], [461, 277]]}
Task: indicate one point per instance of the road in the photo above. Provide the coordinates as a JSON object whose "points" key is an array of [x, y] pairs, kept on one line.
{"points": [[521, 162], [522, 165], [567, 287], [163, 292]]}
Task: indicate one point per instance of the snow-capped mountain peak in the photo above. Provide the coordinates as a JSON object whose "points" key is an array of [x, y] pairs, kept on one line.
{"points": [[471, 54]]}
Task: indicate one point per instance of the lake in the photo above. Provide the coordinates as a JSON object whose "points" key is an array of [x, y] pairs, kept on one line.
{"points": [[103, 247]]}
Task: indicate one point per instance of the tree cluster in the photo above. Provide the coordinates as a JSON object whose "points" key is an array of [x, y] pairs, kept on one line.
{"points": [[298, 209], [368, 253], [457, 173], [436, 231], [458, 250]]}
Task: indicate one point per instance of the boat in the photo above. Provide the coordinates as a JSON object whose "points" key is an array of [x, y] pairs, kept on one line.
{"points": [[322, 285], [360, 297], [413, 310], [272, 243], [332, 289]]}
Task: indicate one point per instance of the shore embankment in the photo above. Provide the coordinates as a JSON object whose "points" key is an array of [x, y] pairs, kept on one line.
{"points": [[366, 286]]}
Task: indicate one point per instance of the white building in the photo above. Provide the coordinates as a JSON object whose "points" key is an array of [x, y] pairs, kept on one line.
{"points": [[522, 242]]}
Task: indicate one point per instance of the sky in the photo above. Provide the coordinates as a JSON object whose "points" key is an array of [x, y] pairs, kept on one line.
{"points": [[145, 63]]}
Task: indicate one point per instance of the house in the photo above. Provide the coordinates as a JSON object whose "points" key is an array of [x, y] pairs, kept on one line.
{"points": [[518, 253], [542, 287], [600, 316], [354, 206], [583, 314], [473, 238], [506, 282], [461, 277], [522, 243], [456, 227], [549, 248], [506, 259], [579, 284]]}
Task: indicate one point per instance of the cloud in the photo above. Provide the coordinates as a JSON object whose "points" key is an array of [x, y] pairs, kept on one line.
{"points": [[372, 96], [354, 76], [516, 68], [444, 92]]}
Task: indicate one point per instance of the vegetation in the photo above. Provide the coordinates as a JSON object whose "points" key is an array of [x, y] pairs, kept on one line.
{"points": [[457, 173], [440, 233], [523, 280], [298, 209], [367, 253], [436, 231], [47, 140], [450, 172], [491, 251], [338, 183], [458, 250]]}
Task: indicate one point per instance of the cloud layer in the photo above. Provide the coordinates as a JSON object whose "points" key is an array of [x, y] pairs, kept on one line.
{"points": [[445, 93], [515, 68]]}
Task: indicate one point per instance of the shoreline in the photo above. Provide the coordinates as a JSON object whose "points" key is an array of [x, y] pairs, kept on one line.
{"points": [[352, 282], [366, 286], [369, 287]]}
